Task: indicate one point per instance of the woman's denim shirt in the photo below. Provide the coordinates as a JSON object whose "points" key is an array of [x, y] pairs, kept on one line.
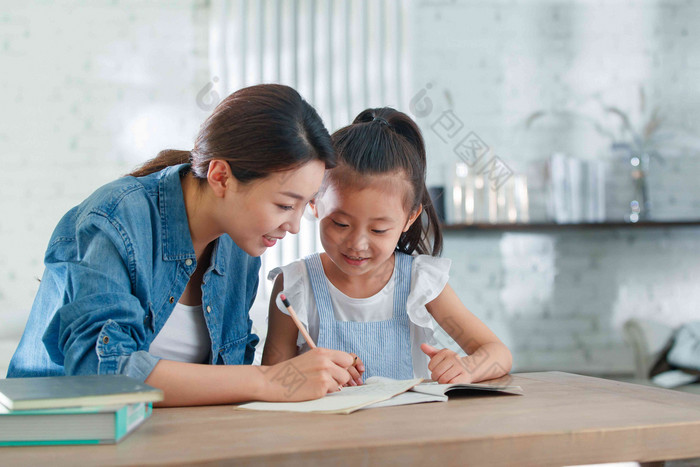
{"points": [[116, 266]]}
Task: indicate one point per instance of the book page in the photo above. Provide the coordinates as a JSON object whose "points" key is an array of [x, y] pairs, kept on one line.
{"points": [[442, 389], [433, 388], [345, 401], [407, 398]]}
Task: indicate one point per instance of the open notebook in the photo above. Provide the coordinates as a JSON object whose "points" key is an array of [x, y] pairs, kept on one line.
{"points": [[380, 392]]}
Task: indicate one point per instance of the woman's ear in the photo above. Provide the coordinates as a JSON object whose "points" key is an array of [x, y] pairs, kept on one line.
{"points": [[219, 176], [413, 217], [314, 207]]}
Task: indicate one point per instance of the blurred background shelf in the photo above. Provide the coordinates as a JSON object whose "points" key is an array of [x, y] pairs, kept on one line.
{"points": [[549, 226]]}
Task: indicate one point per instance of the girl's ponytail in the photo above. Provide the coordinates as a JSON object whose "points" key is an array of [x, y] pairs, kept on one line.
{"points": [[426, 227]]}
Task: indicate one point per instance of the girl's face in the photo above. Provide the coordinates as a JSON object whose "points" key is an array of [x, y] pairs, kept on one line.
{"points": [[259, 213], [360, 227]]}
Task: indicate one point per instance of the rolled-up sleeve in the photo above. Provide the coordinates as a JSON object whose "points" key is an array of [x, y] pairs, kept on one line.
{"points": [[101, 326]]}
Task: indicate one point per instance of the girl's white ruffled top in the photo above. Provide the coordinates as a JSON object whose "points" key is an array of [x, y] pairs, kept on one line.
{"points": [[429, 275]]}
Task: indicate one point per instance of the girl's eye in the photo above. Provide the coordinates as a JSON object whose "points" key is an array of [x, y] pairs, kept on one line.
{"points": [[339, 224], [379, 231], [285, 208]]}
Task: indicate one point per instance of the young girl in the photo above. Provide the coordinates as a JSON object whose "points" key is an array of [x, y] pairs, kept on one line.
{"points": [[374, 289], [153, 275]]}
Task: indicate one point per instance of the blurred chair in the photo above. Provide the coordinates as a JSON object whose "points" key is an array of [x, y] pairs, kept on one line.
{"points": [[648, 340]]}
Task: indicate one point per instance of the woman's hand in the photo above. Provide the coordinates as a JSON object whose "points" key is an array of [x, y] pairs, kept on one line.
{"points": [[446, 366], [356, 371], [308, 376]]}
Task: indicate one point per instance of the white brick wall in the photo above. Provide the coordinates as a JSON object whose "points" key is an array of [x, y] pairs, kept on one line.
{"points": [[494, 63], [89, 90]]}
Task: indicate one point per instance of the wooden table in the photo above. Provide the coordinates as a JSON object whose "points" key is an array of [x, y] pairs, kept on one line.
{"points": [[562, 419]]}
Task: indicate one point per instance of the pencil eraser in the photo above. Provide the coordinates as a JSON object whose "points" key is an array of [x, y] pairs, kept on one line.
{"points": [[283, 297]]}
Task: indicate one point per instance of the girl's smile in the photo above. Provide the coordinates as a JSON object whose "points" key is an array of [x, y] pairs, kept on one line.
{"points": [[358, 233], [354, 260]]}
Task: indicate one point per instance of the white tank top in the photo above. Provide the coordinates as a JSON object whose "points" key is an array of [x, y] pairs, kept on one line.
{"points": [[184, 337]]}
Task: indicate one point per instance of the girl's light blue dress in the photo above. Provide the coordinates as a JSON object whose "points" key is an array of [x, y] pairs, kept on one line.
{"points": [[383, 346], [415, 281]]}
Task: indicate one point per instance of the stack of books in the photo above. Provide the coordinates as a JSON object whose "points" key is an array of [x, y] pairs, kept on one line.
{"points": [[89, 409]]}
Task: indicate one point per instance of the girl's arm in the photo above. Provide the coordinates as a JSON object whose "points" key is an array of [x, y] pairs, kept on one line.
{"points": [[487, 357], [309, 376], [281, 340]]}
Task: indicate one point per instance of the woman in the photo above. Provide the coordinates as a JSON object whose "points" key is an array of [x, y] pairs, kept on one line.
{"points": [[153, 275]]}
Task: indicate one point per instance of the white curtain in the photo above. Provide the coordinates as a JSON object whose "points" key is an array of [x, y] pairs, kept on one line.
{"points": [[341, 55]]}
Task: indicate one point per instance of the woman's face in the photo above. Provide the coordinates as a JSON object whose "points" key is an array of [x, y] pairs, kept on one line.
{"points": [[262, 211]]}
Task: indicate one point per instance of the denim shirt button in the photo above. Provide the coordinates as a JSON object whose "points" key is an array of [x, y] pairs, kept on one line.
{"points": [[208, 309], [105, 339], [171, 299], [188, 262]]}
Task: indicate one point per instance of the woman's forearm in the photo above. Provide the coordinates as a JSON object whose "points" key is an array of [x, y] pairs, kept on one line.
{"points": [[187, 384], [309, 376]]}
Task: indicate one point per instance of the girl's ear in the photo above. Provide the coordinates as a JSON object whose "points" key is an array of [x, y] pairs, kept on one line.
{"points": [[219, 177], [413, 217]]}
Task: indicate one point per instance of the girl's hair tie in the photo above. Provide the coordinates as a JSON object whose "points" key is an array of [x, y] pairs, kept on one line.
{"points": [[381, 120]]}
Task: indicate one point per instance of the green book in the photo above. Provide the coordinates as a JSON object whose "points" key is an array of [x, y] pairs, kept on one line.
{"points": [[71, 425], [53, 392]]}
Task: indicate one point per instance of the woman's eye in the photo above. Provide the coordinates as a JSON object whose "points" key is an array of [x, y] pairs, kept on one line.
{"points": [[285, 208], [339, 224], [379, 231]]}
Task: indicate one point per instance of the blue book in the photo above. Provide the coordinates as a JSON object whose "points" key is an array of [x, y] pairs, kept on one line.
{"points": [[71, 425], [53, 392]]}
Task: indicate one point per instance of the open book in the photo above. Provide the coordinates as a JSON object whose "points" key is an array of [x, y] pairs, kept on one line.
{"points": [[380, 392]]}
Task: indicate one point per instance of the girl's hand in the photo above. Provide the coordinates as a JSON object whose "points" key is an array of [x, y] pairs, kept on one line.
{"points": [[308, 376], [356, 371], [446, 366]]}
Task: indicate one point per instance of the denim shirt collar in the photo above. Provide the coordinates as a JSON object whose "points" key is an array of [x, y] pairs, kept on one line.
{"points": [[222, 250], [177, 242]]}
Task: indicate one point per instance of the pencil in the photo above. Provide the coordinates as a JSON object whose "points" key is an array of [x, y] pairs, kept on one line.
{"points": [[301, 327]]}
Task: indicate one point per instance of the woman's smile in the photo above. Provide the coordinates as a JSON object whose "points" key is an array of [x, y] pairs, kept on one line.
{"points": [[269, 241]]}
